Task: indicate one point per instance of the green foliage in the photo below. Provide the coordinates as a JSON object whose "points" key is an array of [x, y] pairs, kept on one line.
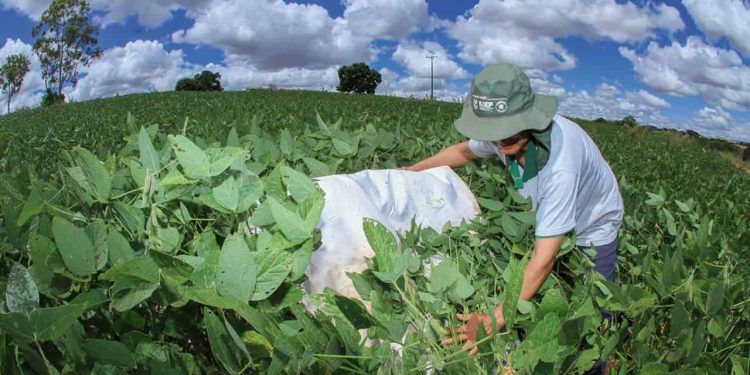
{"points": [[205, 81], [12, 74], [65, 40], [358, 78], [180, 248], [52, 98], [629, 121]]}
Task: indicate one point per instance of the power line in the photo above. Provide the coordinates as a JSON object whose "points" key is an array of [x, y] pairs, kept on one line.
{"points": [[432, 60]]}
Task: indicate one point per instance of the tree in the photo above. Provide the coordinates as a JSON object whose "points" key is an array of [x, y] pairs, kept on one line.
{"points": [[746, 154], [629, 121], [65, 41], [12, 74], [358, 78], [205, 81]]}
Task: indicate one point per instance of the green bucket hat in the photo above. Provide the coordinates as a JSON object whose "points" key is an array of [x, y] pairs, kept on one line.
{"points": [[501, 105]]}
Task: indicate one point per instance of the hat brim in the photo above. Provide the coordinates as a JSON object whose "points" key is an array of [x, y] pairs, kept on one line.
{"points": [[537, 117]]}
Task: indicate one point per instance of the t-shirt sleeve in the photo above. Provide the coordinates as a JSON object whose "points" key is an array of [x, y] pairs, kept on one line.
{"points": [[482, 149], [556, 212]]}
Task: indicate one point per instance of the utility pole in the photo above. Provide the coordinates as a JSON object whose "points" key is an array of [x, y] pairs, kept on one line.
{"points": [[432, 59]]}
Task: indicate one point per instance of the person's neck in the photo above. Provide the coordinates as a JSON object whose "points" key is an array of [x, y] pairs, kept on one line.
{"points": [[521, 157]]}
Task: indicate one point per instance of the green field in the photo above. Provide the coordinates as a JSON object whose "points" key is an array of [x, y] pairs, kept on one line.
{"points": [[125, 246]]}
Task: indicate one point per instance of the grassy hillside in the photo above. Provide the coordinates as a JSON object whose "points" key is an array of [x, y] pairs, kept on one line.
{"points": [[143, 270]]}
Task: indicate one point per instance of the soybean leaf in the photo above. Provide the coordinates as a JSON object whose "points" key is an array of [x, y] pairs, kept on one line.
{"points": [[715, 300], [131, 218], [654, 199], [193, 160], [172, 267], [237, 271], [383, 243], [443, 276], [311, 209], [460, 290], [138, 293], [218, 337], [249, 194], [91, 174], [143, 268], [97, 232], [298, 185], [354, 311], [512, 291], [110, 353], [17, 326], [286, 142], [553, 302], [119, 248], [227, 194], [526, 217], [290, 223], [510, 226], [32, 207], [491, 204], [253, 338], [149, 158], [75, 247], [316, 167], [221, 158], [21, 293], [273, 268], [50, 323]]}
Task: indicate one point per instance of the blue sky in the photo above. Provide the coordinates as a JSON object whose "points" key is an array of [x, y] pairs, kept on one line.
{"points": [[682, 65]]}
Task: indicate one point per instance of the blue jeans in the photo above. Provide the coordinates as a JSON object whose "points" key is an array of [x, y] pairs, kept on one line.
{"points": [[605, 260], [604, 263]]}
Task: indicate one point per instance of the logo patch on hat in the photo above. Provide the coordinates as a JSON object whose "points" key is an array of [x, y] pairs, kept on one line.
{"points": [[489, 105]]}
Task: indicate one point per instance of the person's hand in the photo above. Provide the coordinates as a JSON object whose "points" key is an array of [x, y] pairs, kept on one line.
{"points": [[468, 332], [406, 168]]}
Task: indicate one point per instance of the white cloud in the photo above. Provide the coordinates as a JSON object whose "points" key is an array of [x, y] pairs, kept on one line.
{"points": [[31, 8], [606, 90], [610, 102], [413, 57], [240, 77], [136, 67], [29, 95], [524, 32], [541, 84], [712, 116], [718, 75], [273, 35], [410, 86], [385, 19], [716, 122], [150, 13], [723, 18]]}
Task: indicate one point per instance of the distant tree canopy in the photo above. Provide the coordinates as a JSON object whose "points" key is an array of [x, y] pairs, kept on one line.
{"points": [[629, 121], [746, 154], [358, 78], [205, 81], [12, 74], [65, 41]]}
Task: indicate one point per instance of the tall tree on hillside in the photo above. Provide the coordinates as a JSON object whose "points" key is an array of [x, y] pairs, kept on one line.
{"points": [[12, 74], [65, 41], [358, 78]]}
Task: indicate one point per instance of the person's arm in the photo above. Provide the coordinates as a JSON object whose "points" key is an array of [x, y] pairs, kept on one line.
{"points": [[537, 270], [454, 156]]}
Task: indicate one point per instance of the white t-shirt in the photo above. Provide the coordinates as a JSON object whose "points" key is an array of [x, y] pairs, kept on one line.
{"points": [[576, 189]]}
